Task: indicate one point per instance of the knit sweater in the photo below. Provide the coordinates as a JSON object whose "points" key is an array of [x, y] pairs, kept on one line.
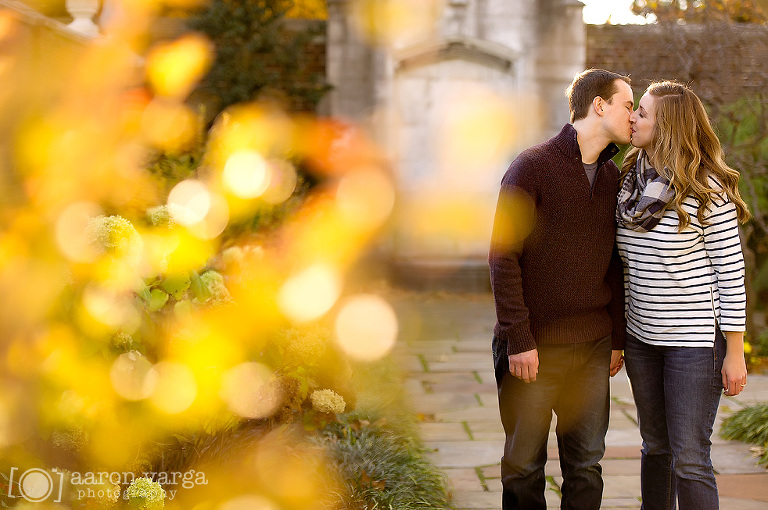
{"points": [[563, 282]]}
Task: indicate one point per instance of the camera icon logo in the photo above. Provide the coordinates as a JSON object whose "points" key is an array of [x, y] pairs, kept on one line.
{"points": [[36, 485]]}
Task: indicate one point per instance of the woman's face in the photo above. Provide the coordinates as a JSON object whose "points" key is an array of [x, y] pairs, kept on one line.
{"points": [[643, 121]]}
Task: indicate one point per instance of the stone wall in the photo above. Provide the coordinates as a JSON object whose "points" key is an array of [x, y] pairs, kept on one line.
{"points": [[720, 62]]}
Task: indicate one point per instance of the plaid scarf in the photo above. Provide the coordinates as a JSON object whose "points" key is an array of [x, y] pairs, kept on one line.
{"points": [[644, 196]]}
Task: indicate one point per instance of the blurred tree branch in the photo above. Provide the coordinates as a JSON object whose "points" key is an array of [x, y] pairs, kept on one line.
{"points": [[675, 11]]}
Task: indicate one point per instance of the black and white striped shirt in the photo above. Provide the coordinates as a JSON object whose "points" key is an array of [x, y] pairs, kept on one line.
{"points": [[679, 285]]}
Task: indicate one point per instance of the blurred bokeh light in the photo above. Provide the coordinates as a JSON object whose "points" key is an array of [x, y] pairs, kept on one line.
{"points": [[310, 293], [366, 327]]}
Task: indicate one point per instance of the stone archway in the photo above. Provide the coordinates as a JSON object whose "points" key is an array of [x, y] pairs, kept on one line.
{"points": [[445, 213], [505, 60]]}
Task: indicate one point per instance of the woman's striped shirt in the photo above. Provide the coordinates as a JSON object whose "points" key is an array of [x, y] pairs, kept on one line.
{"points": [[680, 285]]}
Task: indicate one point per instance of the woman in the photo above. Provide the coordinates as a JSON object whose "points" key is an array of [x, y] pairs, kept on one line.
{"points": [[678, 215]]}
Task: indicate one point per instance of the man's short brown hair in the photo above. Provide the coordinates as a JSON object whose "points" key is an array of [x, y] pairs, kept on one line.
{"points": [[588, 85]]}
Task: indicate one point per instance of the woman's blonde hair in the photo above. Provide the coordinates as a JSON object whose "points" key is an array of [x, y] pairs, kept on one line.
{"points": [[686, 151]]}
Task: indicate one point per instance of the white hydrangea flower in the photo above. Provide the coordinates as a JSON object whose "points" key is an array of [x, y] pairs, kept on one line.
{"points": [[116, 236], [160, 216], [145, 494], [123, 342], [232, 256], [327, 401], [214, 282]]}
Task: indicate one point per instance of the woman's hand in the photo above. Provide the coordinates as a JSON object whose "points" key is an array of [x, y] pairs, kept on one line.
{"points": [[734, 366], [617, 361]]}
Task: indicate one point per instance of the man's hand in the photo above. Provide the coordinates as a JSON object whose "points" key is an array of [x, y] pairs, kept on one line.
{"points": [[524, 365], [617, 361]]}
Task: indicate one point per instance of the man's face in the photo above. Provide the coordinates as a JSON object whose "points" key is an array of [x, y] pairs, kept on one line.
{"points": [[616, 113]]}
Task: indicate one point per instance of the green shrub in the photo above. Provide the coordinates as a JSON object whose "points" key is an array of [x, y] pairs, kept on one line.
{"points": [[760, 343], [258, 55], [169, 169], [384, 469], [749, 425]]}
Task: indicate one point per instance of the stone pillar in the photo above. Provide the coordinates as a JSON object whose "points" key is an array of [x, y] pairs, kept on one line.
{"points": [[560, 55], [349, 65]]}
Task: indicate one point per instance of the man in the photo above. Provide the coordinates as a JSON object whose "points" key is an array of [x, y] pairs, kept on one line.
{"points": [[559, 296]]}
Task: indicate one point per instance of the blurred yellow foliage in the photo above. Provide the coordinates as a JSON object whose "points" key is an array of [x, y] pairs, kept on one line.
{"points": [[309, 9], [119, 340]]}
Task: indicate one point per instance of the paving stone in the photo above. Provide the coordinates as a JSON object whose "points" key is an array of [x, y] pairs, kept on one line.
{"points": [[623, 437], [489, 396], [620, 388], [414, 387], [619, 419], [625, 407], [468, 358], [611, 467], [491, 472], [475, 345], [464, 479], [622, 452], [409, 363], [434, 347], [447, 454], [487, 376], [727, 408], [445, 377], [552, 498], [456, 365], [467, 387], [752, 486], [419, 356], [741, 504], [488, 436], [489, 425], [443, 432], [734, 458], [476, 413], [620, 503], [477, 500], [716, 437], [432, 403], [620, 466], [622, 486], [552, 468]]}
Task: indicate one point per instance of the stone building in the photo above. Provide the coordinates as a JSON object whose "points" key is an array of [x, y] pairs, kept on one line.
{"points": [[453, 106]]}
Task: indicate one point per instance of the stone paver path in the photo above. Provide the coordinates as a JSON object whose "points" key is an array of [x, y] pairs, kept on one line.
{"points": [[444, 348]]}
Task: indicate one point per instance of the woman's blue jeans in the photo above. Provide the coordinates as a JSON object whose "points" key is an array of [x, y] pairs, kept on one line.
{"points": [[573, 381], [677, 391]]}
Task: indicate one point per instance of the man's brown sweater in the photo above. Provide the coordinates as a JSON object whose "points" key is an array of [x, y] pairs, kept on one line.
{"points": [[563, 283]]}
